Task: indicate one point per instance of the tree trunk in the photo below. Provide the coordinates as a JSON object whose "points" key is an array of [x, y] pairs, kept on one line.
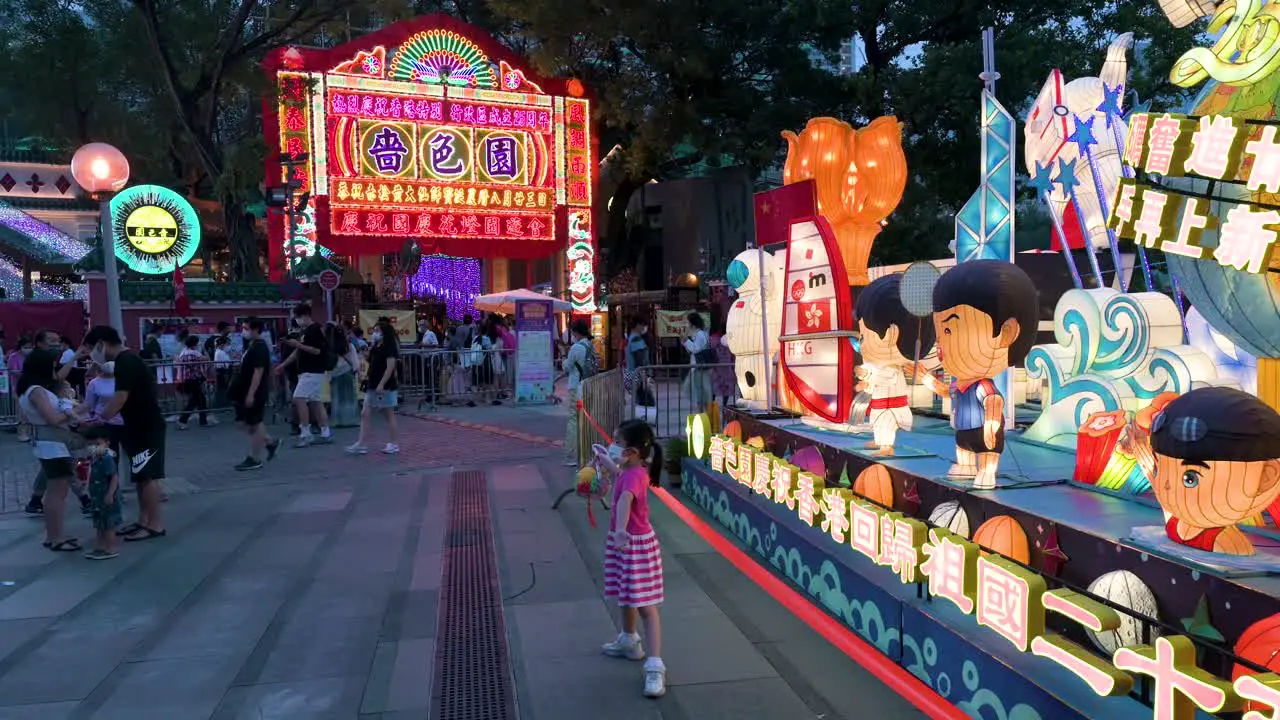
{"points": [[242, 244]]}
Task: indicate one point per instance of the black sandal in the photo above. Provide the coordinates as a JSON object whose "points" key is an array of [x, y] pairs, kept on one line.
{"points": [[68, 545], [129, 529], [147, 534]]}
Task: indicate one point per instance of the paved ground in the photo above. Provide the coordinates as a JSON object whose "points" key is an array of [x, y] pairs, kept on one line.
{"points": [[310, 590]]}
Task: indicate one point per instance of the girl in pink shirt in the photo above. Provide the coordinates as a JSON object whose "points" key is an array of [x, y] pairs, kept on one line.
{"points": [[632, 556]]}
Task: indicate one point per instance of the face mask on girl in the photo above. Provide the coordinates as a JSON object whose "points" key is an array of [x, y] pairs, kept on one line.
{"points": [[615, 453]]}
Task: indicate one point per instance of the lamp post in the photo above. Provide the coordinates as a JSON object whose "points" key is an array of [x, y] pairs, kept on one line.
{"points": [[102, 171]]}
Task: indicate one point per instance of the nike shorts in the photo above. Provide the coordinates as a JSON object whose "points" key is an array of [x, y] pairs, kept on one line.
{"points": [[146, 461]]}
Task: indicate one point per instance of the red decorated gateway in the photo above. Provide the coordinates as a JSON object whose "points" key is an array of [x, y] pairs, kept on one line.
{"points": [[428, 130]]}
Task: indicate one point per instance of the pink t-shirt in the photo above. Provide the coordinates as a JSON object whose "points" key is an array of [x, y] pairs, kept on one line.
{"points": [[634, 480]]}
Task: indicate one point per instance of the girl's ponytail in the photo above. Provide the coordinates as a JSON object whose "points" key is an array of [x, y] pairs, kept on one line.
{"points": [[655, 466]]}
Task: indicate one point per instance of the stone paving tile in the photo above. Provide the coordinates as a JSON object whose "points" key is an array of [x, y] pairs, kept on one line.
{"points": [[310, 590]]}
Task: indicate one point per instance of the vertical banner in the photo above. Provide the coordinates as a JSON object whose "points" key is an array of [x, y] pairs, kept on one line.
{"points": [[535, 361]]}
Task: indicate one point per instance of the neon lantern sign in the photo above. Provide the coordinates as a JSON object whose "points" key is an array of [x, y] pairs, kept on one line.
{"points": [[426, 129], [156, 230], [581, 262]]}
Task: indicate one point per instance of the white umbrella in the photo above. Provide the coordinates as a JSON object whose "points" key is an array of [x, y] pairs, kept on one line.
{"points": [[505, 302]]}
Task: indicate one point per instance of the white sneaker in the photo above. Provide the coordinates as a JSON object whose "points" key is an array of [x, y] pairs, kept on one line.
{"points": [[391, 449], [624, 646], [655, 678], [358, 449], [303, 441], [211, 421]]}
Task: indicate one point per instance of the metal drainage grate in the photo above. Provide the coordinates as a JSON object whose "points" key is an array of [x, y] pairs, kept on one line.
{"points": [[473, 673]]}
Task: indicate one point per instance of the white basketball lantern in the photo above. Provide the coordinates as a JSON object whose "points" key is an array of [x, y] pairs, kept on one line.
{"points": [[951, 516], [1128, 591]]}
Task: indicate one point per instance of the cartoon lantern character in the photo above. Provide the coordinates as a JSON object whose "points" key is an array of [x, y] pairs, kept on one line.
{"points": [[985, 315], [742, 326], [1217, 463], [890, 339]]}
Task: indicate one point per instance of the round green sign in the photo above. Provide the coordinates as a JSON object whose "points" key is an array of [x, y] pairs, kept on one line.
{"points": [[155, 229]]}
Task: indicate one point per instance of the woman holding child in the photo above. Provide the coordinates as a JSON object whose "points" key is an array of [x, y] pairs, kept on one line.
{"points": [[52, 419]]}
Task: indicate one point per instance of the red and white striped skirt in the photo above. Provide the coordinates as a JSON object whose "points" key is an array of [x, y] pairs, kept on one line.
{"points": [[633, 576]]}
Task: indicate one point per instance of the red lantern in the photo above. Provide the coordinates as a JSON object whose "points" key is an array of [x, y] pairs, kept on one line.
{"points": [[1259, 644]]}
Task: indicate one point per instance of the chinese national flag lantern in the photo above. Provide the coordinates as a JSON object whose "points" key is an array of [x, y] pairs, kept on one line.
{"points": [[1260, 644], [874, 484], [1003, 534], [859, 176]]}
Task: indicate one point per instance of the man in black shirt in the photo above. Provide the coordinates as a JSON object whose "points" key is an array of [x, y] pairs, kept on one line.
{"points": [[250, 391], [142, 438], [311, 356]]}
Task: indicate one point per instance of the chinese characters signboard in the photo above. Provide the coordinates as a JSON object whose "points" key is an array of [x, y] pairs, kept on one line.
{"points": [[1001, 595], [425, 130], [1214, 148]]}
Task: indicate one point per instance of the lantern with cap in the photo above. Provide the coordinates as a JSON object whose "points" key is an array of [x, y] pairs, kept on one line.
{"points": [[1217, 464]]}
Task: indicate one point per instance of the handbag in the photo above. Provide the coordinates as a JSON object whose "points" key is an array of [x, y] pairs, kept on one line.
{"points": [[706, 357], [76, 443]]}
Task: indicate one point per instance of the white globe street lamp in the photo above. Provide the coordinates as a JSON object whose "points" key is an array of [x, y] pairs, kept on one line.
{"points": [[102, 171]]}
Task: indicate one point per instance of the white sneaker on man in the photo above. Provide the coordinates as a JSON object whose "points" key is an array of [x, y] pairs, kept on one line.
{"points": [[358, 449], [391, 449], [655, 678], [625, 646]]}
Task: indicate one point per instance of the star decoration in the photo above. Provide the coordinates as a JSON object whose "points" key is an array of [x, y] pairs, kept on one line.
{"points": [[1083, 135], [1042, 181], [766, 208], [1067, 176], [1111, 102], [1139, 106], [1054, 558], [910, 495], [844, 477], [1199, 625]]}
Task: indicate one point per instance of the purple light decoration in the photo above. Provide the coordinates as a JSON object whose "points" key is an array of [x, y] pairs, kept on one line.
{"points": [[61, 248], [454, 280]]}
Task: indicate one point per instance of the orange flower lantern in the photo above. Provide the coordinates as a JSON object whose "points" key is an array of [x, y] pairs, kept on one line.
{"points": [[860, 176]]}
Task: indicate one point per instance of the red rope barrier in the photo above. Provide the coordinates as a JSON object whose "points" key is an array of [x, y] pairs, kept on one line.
{"points": [[582, 409], [893, 675]]}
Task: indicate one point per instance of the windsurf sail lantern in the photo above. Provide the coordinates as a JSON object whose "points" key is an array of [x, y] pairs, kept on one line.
{"points": [[817, 322]]}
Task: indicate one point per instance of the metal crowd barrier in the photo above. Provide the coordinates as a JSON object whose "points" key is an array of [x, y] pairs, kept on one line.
{"points": [[437, 377], [665, 395]]}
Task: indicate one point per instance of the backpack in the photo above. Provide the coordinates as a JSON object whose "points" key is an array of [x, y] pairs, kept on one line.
{"points": [[592, 364]]}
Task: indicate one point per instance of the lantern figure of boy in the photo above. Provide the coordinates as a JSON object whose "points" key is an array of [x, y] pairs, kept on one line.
{"points": [[1217, 463], [889, 337], [985, 316]]}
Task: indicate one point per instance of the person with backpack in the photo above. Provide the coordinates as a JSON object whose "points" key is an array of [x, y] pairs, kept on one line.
{"points": [[579, 364], [700, 353]]}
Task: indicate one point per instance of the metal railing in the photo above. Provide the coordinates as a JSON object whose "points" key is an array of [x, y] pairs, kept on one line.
{"points": [[666, 395]]}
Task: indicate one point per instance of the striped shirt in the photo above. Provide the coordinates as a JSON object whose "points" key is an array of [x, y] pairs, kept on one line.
{"points": [[967, 403]]}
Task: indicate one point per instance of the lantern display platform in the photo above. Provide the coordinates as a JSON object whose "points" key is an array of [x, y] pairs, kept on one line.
{"points": [[1070, 537]]}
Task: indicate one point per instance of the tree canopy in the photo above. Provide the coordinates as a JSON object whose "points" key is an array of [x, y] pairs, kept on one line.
{"points": [[176, 84]]}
